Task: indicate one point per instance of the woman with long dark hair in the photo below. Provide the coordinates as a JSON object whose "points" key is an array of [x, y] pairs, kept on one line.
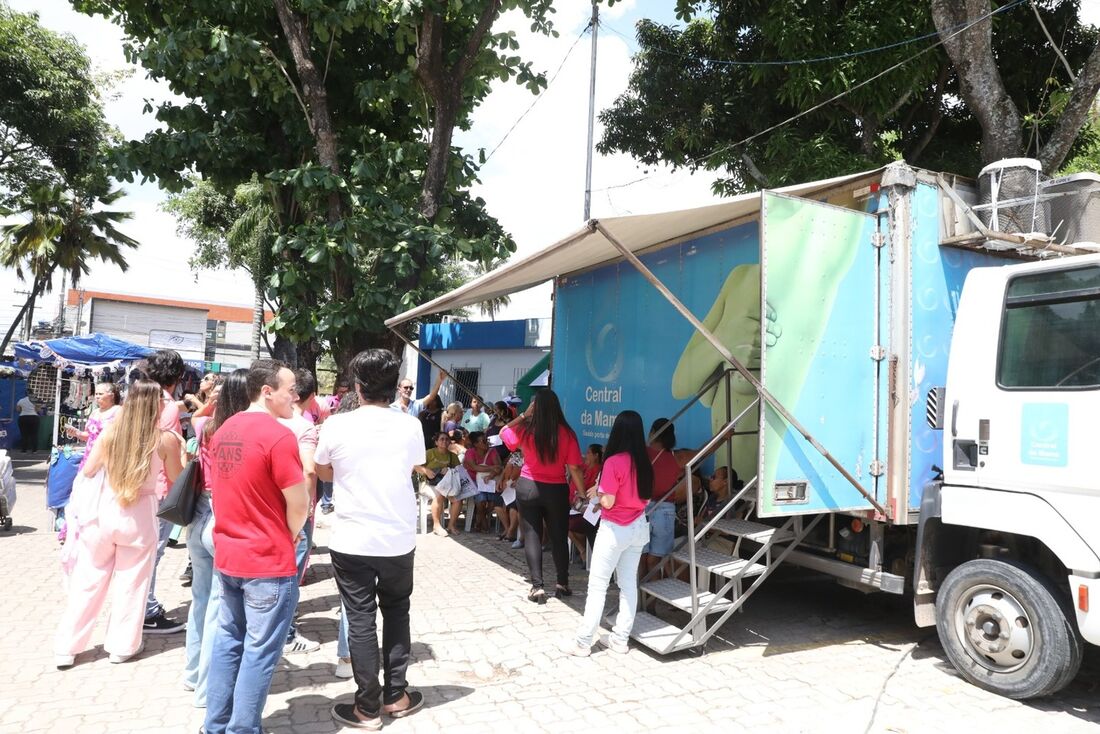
{"points": [[229, 398], [626, 485], [550, 449]]}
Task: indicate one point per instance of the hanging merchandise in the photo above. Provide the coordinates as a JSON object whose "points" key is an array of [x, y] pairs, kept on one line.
{"points": [[42, 383]]}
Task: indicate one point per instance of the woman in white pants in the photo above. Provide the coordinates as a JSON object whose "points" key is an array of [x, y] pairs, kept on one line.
{"points": [[625, 487]]}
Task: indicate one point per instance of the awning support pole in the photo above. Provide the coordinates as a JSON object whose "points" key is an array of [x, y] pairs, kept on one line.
{"points": [[737, 365], [425, 355]]}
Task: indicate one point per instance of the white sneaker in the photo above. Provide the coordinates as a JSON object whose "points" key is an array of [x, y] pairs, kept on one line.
{"points": [[572, 647], [301, 643], [123, 658], [614, 645], [64, 662], [343, 668]]}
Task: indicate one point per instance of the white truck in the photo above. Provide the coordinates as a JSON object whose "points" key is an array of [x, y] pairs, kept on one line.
{"points": [[1009, 543], [819, 341]]}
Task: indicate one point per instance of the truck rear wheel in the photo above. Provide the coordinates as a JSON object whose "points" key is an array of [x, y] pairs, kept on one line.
{"points": [[1005, 628]]}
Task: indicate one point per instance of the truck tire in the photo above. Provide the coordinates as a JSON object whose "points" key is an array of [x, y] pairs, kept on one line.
{"points": [[1007, 629]]}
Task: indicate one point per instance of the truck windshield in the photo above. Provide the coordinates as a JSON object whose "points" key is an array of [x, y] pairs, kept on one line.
{"points": [[1050, 334]]}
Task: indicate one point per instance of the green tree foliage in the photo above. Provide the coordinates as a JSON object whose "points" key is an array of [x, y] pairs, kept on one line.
{"points": [[52, 127], [688, 106], [65, 232], [334, 105]]}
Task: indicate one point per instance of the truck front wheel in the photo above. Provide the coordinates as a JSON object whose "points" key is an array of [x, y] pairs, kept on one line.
{"points": [[1005, 628]]}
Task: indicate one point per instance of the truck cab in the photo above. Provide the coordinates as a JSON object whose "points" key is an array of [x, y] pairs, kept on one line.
{"points": [[1010, 543]]}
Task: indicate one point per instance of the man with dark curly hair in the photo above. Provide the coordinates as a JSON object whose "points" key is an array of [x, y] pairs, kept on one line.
{"points": [[165, 368]]}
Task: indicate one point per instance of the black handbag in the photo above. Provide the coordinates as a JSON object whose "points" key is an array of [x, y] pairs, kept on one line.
{"points": [[178, 506]]}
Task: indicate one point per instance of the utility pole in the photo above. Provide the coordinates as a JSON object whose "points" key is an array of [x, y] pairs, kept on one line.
{"points": [[27, 318], [59, 325], [594, 27]]}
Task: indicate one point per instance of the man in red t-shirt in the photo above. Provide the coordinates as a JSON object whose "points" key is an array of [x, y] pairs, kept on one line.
{"points": [[260, 504]]}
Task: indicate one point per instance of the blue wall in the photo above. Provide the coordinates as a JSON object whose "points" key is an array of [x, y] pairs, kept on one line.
{"points": [[466, 335]]}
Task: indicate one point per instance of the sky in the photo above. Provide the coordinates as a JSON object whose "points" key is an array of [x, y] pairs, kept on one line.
{"points": [[533, 184]]}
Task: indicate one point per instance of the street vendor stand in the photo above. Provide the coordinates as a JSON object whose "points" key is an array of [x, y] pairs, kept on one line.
{"points": [[96, 354]]}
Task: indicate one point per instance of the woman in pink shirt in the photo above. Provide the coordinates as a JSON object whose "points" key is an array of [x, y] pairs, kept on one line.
{"points": [[550, 450], [625, 486]]}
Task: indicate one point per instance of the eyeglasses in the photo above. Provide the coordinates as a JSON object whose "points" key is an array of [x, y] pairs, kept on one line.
{"points": [[406, 388]]}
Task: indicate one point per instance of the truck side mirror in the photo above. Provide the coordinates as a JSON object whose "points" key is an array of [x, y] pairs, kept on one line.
{"points": [[934, 408]]}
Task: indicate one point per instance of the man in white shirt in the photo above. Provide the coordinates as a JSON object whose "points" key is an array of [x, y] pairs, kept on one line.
{"points": [[369, 454], [405, 402], [28, 424]]}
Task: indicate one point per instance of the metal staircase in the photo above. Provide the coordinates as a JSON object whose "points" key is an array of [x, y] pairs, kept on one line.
{"points": [[717, 584]]}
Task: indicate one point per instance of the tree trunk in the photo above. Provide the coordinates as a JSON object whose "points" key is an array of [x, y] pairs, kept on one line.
{"points": [[320, 123], [444, 87], [257, 322], [284, 351], [28, 304], [980, 82]]}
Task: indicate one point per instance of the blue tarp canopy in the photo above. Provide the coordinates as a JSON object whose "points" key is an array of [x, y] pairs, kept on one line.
{"points": [[89, 349]]}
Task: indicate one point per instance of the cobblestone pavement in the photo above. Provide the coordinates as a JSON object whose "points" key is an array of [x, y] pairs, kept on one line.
{"points": [[806, 655]]}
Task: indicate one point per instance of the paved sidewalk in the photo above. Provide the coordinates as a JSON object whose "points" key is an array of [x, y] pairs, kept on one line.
{"points": [[806, 655]]}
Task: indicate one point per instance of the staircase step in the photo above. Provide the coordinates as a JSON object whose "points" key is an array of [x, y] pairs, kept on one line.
{"points": [[720, 563], [657, 634], [678, 594], [757, 532]]}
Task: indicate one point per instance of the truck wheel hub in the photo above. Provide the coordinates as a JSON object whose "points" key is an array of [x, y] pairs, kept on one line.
{"points": [[995, 629]]}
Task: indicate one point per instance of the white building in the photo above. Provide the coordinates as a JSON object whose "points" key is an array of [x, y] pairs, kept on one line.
{"points": [[217, 335]]}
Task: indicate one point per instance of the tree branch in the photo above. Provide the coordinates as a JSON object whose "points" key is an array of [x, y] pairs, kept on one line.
{"points": [[980, 82], [473, 43], [1057, 147]]}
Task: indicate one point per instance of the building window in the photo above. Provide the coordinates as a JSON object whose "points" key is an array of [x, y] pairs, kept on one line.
{"points": [[468, 377], [1050, 338]]}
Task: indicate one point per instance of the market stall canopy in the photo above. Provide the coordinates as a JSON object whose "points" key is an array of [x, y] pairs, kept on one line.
{"points": [[587, 248], [89, 349]]}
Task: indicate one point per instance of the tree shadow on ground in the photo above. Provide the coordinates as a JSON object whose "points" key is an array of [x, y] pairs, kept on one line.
{"points": [[796, 610]]}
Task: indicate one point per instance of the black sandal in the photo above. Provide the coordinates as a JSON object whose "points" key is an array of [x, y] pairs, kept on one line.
{"points": [[537, 595], [561, 592]]}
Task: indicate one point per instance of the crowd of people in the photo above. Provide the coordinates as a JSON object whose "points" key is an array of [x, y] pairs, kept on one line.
{"points": [[270, 451]]}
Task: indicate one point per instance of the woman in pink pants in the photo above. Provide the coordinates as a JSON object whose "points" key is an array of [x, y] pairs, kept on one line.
{"points": [[118, 543]]}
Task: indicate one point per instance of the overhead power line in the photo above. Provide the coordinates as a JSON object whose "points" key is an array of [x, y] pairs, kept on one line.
{"points": [[696, 161], [546, 89], [815, 60]]}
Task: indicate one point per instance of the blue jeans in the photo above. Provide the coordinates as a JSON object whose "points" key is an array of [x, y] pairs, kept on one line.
{"points": [[342, 649], [301, 555], [206, 594], [325, 489], [662, 529], [248, 641], [152, 606], [618, 548]]}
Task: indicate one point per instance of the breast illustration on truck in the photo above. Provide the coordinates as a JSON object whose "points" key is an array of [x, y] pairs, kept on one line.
{"points": [[901, 367]]}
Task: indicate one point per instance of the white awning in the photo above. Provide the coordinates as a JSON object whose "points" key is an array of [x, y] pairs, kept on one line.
{"points": [[586, 248]]}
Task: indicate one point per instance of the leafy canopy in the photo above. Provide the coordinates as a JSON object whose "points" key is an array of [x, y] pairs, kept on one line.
{"points": [[52, 127], [244, 111], [686, 107]]}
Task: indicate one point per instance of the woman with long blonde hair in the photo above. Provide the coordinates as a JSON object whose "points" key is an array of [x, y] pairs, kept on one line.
{"points": [[118, 541]]}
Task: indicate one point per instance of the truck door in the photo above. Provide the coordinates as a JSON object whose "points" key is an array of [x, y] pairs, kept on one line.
{"points": [[1035, 423], [820, 304]]}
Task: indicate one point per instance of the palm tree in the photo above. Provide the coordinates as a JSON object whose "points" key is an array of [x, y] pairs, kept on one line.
{"points": [[64, 231], [491, 307], [252, 236]]}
